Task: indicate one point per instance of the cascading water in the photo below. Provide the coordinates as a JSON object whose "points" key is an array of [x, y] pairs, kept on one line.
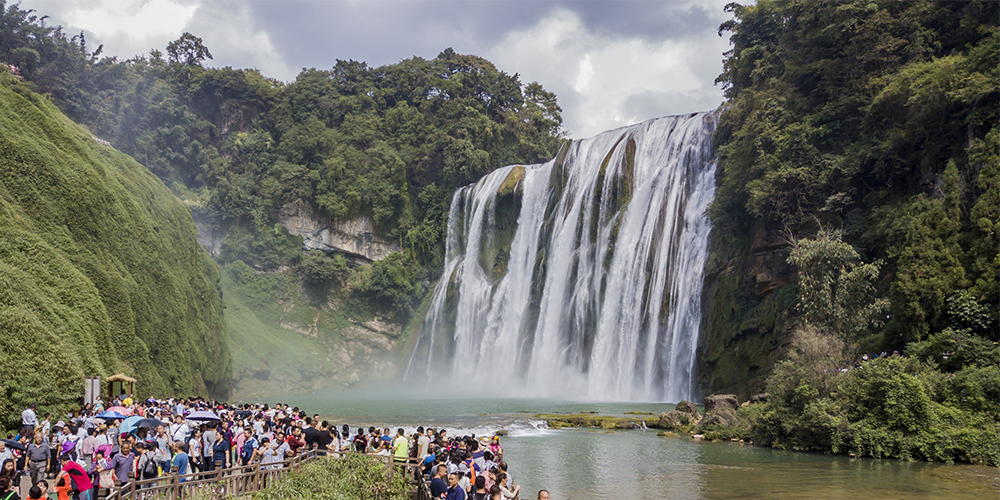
{"points": [[579, 278]]}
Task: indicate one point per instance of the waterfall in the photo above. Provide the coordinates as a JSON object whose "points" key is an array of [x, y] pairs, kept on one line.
{"points": [[579, 278]]}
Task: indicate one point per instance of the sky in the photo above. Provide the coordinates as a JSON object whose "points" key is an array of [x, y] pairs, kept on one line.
{"points": [[610, 63]]}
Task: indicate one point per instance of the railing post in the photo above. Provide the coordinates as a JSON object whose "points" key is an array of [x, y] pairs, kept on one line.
{"points": [[176, 480]]}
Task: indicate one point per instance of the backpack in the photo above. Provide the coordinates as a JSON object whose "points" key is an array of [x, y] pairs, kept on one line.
{"points": [[247, 450], [150, 470]]}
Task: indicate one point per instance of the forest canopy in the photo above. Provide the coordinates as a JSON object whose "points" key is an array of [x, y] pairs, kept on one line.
{"points": [[391, 143]]}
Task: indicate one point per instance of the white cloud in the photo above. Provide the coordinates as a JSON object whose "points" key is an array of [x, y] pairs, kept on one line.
{"points": [[230, 32], [599, 79], [133, 27], [130, 27]]}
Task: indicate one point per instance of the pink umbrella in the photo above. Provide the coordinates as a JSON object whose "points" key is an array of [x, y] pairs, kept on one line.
{"points": [[120, 409]]}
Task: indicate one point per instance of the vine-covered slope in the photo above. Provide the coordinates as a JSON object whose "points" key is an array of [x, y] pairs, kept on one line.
{"points": [[100, 271]]}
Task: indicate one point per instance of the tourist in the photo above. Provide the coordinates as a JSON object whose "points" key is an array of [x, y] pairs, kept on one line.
{"points": [[195, 457], [63, 488], [74, 475], [121, 462], [400, 445], [423, 444], [295, 441], [455, 492], [281, 447], [180, 460], [8, 469], [5, 453], [179, 431], [47, 426], [543, 495], [29, 421], [249, 449], [102, 474], [87, 447], [495, 493], [208, 447], [310, 433], [39, 457], [503, 481], [35, 493], [269, 456], [439, 484], [479, 492], [8, 490], [360, 441], [324, 438], [220, 452]]}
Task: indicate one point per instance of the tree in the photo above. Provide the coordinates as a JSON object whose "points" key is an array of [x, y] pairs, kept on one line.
{"points": [[188, 49], [836, 290]]}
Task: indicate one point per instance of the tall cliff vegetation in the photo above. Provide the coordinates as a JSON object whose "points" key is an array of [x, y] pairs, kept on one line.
{"points": [[860, 145], [877, 120], [99, 268]]}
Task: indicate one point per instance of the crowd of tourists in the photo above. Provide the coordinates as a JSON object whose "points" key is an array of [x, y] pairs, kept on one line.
{"points": [[100, 449]]}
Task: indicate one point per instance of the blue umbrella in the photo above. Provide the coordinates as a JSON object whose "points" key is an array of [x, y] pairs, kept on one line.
{"points": [[129, 424], [110, 415]]}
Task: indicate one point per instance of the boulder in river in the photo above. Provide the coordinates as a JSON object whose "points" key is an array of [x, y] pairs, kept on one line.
{"points": [[687, 407], [721, 401], [723, 418]]}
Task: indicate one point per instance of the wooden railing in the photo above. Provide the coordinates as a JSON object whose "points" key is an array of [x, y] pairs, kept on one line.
{"points": [[243, 480]]}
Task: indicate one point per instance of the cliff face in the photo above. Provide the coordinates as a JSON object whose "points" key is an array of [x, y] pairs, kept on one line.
{"points": [[100, 271], [355, 237], [746, 298], [284, 341]]}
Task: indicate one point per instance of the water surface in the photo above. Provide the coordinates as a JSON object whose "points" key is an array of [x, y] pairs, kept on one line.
{"points": [[594, 464]]}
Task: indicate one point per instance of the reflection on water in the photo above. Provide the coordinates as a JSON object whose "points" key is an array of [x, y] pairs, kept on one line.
{"points": [[584, 464]]}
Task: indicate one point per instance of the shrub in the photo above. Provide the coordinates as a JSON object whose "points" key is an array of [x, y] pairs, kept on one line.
{"points": [[353, 477]]}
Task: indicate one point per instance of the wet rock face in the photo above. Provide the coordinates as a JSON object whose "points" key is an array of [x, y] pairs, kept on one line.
{"points": [[721, 402], [687, 407], [355, 237], [724, 418]]}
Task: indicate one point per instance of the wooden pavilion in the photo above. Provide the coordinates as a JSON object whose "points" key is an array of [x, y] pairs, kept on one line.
{"points": [[120, 383]]}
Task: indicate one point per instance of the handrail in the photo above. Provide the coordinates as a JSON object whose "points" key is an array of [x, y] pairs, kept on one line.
{"points": [[244, 479]]}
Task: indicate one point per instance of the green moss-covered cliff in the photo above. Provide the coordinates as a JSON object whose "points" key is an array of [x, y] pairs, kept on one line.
{"points": [[100, 271], [877, 120]]}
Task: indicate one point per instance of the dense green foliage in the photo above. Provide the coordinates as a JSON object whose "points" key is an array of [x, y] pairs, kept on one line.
{"points": [[391, 143], [878, 119], [99, 268], [353, 477], [890, 407]]}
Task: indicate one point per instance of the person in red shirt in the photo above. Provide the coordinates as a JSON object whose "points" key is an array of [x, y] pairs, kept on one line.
{"points": [[74, 473], [295, 441]]}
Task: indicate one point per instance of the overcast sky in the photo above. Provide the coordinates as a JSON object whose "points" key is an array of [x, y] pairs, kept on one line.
{"points": [[611, 63]]}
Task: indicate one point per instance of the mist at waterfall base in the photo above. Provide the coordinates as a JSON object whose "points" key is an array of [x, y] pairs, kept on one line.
{"points": [[579, 278]]}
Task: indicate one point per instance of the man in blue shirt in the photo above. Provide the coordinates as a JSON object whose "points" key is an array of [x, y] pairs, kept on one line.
{"points": [[439, 488], [180, 459], [455, 492]]}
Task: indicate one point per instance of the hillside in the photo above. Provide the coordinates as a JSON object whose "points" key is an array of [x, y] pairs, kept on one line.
{"points": [[873, 123], [100, 271]]}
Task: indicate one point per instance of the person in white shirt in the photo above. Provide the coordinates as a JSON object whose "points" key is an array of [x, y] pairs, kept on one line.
{"points": [[179, 430]]}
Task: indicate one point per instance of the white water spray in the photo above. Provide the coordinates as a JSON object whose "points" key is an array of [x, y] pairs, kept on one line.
{"points": [[580, 278]]}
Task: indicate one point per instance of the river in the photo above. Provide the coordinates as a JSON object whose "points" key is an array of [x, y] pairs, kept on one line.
{"points": [[595, 464]]}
